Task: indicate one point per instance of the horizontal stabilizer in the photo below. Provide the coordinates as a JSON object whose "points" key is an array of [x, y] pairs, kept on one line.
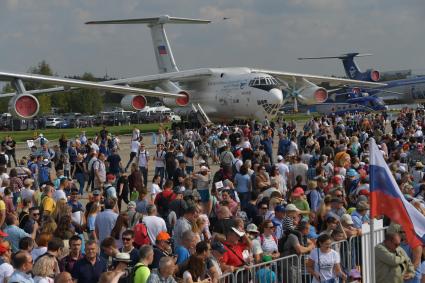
{"points": [[342, 56], [155, 20]]}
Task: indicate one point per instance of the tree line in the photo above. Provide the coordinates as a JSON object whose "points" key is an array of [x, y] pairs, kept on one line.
{"points": [[87, 101]]}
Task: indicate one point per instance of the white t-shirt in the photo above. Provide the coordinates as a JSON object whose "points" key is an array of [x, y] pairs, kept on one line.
{"points": [[268, 244], [327, 263], [59, 194], [256, 247], [155, 189], [154, 225], [160, 158], [143, 158], [36, 252], [6, 271], [27, 194], [135, 146], [283, 171]]}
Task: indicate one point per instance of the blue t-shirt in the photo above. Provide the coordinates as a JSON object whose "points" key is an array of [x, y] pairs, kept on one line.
{"points": [[242, 183], [183, 254], [265, 275]]}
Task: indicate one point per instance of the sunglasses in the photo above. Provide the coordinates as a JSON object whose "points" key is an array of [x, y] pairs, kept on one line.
{"points": [[36, 214], [126, 239], [270, 227]]}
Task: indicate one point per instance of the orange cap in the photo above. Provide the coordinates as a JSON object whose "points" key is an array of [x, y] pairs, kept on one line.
{"points": [[163, 236]]}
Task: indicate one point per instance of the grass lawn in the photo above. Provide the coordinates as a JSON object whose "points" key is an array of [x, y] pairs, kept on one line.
{"points": [[54, 134]]}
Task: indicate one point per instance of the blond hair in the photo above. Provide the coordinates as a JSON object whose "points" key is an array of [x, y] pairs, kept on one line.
{"points": [[44, 266]]}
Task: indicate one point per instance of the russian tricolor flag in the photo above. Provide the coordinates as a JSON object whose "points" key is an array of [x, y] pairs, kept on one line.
{"points": [[387, 199]]}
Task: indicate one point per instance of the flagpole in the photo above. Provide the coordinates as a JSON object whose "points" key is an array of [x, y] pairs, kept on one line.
{"points": [[372, 146]]}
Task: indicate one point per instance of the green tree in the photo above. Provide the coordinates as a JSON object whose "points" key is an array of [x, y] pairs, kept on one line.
{"points": [[88, 101]]}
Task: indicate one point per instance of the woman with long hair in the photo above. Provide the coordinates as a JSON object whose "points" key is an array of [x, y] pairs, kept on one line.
{"points": [[79, 172], [91, 217], [43, 269], [196, 270], [268, 241], [324, 263], [48, 225], [65, 229], [122, 224]]}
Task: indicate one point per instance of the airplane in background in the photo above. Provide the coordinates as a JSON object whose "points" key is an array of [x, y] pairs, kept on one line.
{"points": [[410, 89], [221, 94]]}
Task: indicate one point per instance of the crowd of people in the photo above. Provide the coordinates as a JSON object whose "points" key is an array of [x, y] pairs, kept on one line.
{"points": [[198, 204]]}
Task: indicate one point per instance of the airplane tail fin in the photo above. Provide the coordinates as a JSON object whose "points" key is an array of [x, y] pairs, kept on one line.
{"points": [[351, 69], [164, 55]]}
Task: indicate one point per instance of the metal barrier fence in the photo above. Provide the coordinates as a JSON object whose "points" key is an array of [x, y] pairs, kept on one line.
{"points": [[354, 254]]}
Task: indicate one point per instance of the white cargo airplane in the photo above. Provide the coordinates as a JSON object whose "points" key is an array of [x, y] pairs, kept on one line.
{"points": [[219, 93]]}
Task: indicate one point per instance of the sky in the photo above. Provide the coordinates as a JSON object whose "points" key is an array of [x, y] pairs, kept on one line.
{"points": [[269, 34]]}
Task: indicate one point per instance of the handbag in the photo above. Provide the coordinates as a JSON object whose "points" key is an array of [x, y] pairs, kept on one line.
{"points": [[332, 280]]}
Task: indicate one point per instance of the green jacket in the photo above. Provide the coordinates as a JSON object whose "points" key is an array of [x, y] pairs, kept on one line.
{"points": [[391, 266]]}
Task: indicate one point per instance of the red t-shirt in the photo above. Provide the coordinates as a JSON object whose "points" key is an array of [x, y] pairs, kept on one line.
{"points": [[234, 256]]}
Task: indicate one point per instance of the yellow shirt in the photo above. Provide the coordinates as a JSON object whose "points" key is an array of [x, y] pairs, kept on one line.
{"points": [[2, 205], [49, 204]]}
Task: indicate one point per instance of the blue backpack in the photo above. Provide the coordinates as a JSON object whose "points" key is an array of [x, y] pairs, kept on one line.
{"points": [[43, 174]]}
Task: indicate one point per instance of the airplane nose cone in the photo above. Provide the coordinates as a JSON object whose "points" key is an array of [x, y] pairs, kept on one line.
{"points": [[276, 96]]}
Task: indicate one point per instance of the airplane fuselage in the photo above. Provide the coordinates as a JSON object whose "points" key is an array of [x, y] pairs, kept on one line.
{"points": [[236, 93], [405, 91]]}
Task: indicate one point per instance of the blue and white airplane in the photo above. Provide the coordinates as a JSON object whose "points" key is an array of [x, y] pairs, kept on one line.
{"points": [[408, 90]]}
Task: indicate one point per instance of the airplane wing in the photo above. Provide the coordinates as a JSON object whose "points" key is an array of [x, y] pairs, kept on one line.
{"points": [[317, 79], [180, 76], [7, 76]]}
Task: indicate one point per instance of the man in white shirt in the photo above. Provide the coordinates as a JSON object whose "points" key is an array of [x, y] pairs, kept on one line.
{"points": [[134, 149], [283, 168], [143, 157], [159, 158], [153, 223]]}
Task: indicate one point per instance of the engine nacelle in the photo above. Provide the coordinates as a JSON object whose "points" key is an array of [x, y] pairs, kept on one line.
{"points": [[313, 95], [24, 106], [133, 102], [373, 75], [181, 101]]}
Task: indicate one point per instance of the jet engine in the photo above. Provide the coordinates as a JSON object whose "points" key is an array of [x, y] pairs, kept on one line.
{"points": [[24, 106], [181, 101], [133, 102], [312, 94], [372, 75]]}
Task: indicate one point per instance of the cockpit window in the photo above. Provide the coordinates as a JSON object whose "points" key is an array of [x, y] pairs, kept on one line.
{"points": [[265, 83]]}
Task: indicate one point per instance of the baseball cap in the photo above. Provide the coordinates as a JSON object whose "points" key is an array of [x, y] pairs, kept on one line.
{"points": [[237, 232], [252, 228], [218, 246], [110, 176], [364, 192], [279, 158], [292, 207], [267, 258], [131, 204], [362, 205], [96, 192], [163, 236], [352, 173], [346, 218], [204, 168], [298, 192], [279, 208], [122, 257]]}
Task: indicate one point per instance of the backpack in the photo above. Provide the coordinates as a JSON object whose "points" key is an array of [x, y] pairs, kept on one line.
{"points": [[141, 236], [189, 152], [163, 204], [132, 273], [3, 160], [43, 174], [91, 172]]}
